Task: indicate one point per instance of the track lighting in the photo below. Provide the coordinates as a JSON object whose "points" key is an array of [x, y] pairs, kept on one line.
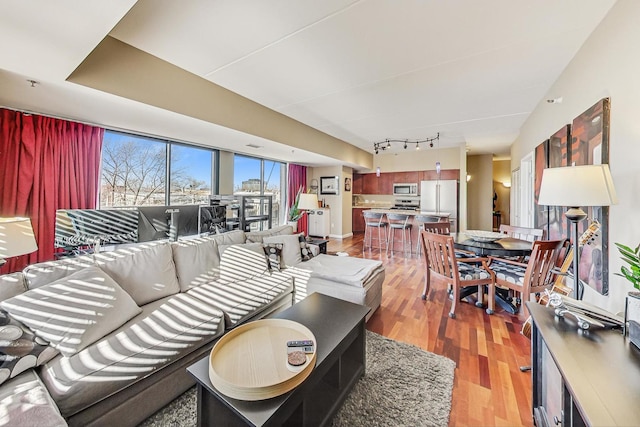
{"points": [[386, 144]]}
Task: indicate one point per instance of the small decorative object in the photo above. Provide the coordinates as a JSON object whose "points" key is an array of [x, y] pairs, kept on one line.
{"points": [[347, 184], [632, 274]]}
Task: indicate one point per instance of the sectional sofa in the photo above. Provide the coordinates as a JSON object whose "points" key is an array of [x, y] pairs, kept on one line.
{"points": [[105, 339]]}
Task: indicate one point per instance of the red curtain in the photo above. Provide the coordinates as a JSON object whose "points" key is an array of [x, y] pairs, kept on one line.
{"points": [[46, 164], [297, 179]]}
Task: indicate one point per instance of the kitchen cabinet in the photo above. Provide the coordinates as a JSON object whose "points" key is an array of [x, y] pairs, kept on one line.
{"points": [[357, 183], [370, 184], [319, 221], [357, 221], [445, 174], [385, 183]]}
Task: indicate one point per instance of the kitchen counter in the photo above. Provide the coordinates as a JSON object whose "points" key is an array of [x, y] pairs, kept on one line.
{"points": [[387, 210], [372, 205], [409, 212]]}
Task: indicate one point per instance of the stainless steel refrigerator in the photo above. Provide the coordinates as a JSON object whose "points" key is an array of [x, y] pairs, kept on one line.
{"points": [[440, 197]]}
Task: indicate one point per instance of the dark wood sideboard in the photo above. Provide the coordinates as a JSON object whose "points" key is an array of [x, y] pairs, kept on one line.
{"points": [[582, 378]]}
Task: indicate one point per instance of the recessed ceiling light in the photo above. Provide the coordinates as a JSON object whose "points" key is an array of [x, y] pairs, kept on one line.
{"points": [[254, 146]]}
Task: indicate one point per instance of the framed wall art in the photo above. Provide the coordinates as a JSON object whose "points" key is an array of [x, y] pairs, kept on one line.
{"points": [[590, 146], [558, 156], [329, 184]]}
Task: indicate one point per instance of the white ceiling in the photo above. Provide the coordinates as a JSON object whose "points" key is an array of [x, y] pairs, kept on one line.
{"points": [[361, 71]]}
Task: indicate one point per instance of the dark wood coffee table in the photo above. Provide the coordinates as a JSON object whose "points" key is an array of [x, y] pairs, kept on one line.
{"points": [[339, 329]]}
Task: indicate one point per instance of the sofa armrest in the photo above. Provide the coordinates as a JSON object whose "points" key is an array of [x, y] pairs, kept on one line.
{"points": [[25, 401]]}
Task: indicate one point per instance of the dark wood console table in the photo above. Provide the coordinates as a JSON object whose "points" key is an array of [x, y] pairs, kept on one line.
{"points": [[582, 378], [339, 329]]}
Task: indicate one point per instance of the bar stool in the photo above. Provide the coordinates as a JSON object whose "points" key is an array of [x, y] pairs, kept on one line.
{"points": [[374, 220], [420, 220], [399, 222]]}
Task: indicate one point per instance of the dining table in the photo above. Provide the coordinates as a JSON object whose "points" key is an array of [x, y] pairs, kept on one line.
{"points": [[503, 247]]}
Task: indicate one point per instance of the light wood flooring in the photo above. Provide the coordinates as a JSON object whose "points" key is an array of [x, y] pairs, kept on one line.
{"points": [[489, 388]]}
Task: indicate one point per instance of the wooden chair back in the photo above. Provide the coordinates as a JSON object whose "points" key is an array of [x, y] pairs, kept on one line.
{"points": [[538, 273], [437, 227], [523, 233], [439, 256], [442, 266]]}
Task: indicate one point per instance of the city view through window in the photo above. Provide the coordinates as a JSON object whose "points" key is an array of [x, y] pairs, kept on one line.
{"points": [[136, 172]]}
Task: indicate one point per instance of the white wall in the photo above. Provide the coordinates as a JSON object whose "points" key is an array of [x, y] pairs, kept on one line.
{"points": [[337, 203], [480, 192], [608, 65]]}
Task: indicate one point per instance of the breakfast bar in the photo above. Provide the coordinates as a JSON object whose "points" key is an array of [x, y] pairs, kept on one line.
{"points": [[415, 226]]}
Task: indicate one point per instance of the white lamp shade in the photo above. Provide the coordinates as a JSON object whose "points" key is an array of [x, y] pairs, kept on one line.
{"points": [[576, 186], [308, 201], [16, 237]]}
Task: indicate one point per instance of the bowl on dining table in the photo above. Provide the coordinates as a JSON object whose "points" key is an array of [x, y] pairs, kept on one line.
{"points": [[484, 236]]}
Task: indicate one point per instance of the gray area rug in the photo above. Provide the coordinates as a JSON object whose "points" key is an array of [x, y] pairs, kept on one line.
{"points": [[403, 386]]}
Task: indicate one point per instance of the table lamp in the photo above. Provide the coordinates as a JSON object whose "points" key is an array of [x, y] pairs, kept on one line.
{"points": [[16, 238], [573, 187]]}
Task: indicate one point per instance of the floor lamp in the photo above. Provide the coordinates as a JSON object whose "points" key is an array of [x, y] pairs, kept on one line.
{"points": [[16, 238], [574, 187]]}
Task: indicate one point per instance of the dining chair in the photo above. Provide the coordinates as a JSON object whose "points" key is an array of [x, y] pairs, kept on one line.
{"points": [[399, 222], [374, 220], [531, 277], [442, 266], [523, 233], [432, 224]]}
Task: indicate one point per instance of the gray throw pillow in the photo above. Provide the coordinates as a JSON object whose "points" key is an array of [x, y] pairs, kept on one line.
{"points": [[20, 349], [274, 255], [305, 249], [75, 311]]}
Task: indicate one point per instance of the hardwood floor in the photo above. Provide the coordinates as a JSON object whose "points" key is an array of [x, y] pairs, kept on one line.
{"points": [[489, 388]]}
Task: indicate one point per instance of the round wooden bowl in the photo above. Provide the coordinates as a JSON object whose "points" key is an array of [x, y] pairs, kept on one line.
{"points": [[250, 361]]}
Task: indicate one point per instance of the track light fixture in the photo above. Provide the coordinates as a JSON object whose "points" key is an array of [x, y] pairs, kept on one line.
{"points": [[383, 145]]}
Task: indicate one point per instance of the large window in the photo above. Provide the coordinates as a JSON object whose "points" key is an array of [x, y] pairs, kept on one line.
{"points": [[190, 175], [253, 176], [136, 172]]}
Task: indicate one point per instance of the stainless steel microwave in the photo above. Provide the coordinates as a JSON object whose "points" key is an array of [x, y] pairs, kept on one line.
{"points": [[405, 189]]}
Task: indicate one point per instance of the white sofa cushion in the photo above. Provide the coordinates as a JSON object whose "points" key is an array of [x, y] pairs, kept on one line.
{"points": [[11, 285], [43, 273], [290, 250], [239, 262], [243, 299], [146, 272], [167, 330], [229, 238], [75, 311], [258, 236], [197, 262]]}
